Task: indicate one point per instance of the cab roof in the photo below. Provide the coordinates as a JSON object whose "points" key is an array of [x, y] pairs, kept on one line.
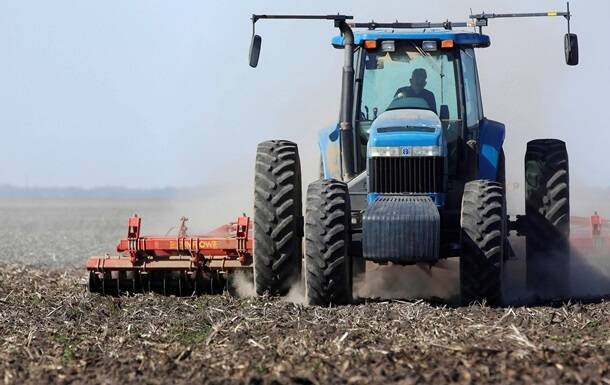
{"points": [[461, 38]]}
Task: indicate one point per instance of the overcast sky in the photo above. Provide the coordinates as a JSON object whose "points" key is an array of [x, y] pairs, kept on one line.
{"points": [[152, 94]]}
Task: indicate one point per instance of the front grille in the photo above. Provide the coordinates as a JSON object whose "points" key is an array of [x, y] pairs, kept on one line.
{"points": [[394, 175]]}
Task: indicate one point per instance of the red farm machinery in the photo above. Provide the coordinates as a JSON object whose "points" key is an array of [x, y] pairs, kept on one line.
{"points": [[179, 265]]}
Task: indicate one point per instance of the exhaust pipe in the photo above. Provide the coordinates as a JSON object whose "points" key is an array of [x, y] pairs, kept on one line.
{"points": [[347, 104]]}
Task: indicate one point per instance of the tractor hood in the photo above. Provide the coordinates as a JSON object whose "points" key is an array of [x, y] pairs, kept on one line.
{"points": [[407, 128]]}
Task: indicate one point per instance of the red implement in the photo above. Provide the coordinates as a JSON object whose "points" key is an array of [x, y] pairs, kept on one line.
{"points": [[179, 262]]}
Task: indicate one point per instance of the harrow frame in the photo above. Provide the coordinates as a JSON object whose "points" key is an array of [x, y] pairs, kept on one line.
{"points": [[162, 263]]}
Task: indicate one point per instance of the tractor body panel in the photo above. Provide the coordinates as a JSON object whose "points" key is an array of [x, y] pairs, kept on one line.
{"points": [[406, 127], [491, 139], [330, 152]]}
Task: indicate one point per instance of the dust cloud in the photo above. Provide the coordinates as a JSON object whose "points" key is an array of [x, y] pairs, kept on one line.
{"points": [[243, 284], [409, 282], [589, 278], [296, 294], [588, 274]]}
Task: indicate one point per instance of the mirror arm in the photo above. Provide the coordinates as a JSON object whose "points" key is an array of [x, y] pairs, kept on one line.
{"points": [[254, 19], [568, 16]]}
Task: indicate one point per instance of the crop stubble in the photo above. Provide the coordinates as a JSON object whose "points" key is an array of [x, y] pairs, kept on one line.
{"points": [[51, 329]]}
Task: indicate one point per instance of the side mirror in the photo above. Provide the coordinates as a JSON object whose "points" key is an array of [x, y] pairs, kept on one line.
{"points": [[571, 49], [255, 50]]}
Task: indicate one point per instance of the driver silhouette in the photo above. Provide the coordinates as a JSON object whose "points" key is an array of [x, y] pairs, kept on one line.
{"points": [[417, 89]]}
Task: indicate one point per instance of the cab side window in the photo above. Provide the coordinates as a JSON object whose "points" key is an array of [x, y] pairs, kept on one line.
{"points": [[474, 110]]}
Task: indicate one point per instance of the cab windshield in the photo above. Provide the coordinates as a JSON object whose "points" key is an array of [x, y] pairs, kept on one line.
{"points": [[406, 76]]}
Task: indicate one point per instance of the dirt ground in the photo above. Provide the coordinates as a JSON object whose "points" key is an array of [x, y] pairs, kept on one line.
{"points": [[52, 330]]}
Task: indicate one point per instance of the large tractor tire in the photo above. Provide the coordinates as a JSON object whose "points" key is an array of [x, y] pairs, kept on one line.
{"points": [[484, 231], [547, 208], [328, 279], [278, 217]]}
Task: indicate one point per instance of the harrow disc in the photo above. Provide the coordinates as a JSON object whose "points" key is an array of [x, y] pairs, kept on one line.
{"points": [[172, 282], [95, 283]]}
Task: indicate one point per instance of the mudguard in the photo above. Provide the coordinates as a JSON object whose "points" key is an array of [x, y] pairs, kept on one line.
{"points": [[491, 139], [330, 152]]}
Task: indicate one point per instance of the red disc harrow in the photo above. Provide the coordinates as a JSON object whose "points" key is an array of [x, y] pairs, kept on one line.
{"points": [[179, 265]]}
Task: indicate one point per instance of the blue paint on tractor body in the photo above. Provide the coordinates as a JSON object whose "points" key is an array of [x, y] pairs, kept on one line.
{"points": [[406, 128], [328, 142], [491, 139]]}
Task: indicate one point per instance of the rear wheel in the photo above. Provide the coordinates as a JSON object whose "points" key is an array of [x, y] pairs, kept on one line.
{"points": [[328, 279], [483, 239], [547, 208], [278, 220]]}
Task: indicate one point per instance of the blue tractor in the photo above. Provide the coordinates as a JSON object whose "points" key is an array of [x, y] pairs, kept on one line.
{"points": [[413, 172]]}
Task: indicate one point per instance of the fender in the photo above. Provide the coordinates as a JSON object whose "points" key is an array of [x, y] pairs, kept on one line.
{"points": [[491, 139], [330, 152]]}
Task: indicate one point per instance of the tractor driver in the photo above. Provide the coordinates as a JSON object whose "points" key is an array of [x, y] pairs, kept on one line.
{"points": [[417, 89]]}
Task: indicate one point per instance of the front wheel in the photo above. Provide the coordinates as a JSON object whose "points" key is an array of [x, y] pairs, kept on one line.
{"points": [[328, 279], [483, 239]]}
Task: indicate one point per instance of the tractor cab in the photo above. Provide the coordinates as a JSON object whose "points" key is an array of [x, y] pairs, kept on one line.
{"points": [[411, 82]]}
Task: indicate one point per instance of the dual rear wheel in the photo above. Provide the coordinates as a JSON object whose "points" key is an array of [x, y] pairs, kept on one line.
{"points": [[547, 209], [278, 230]]}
